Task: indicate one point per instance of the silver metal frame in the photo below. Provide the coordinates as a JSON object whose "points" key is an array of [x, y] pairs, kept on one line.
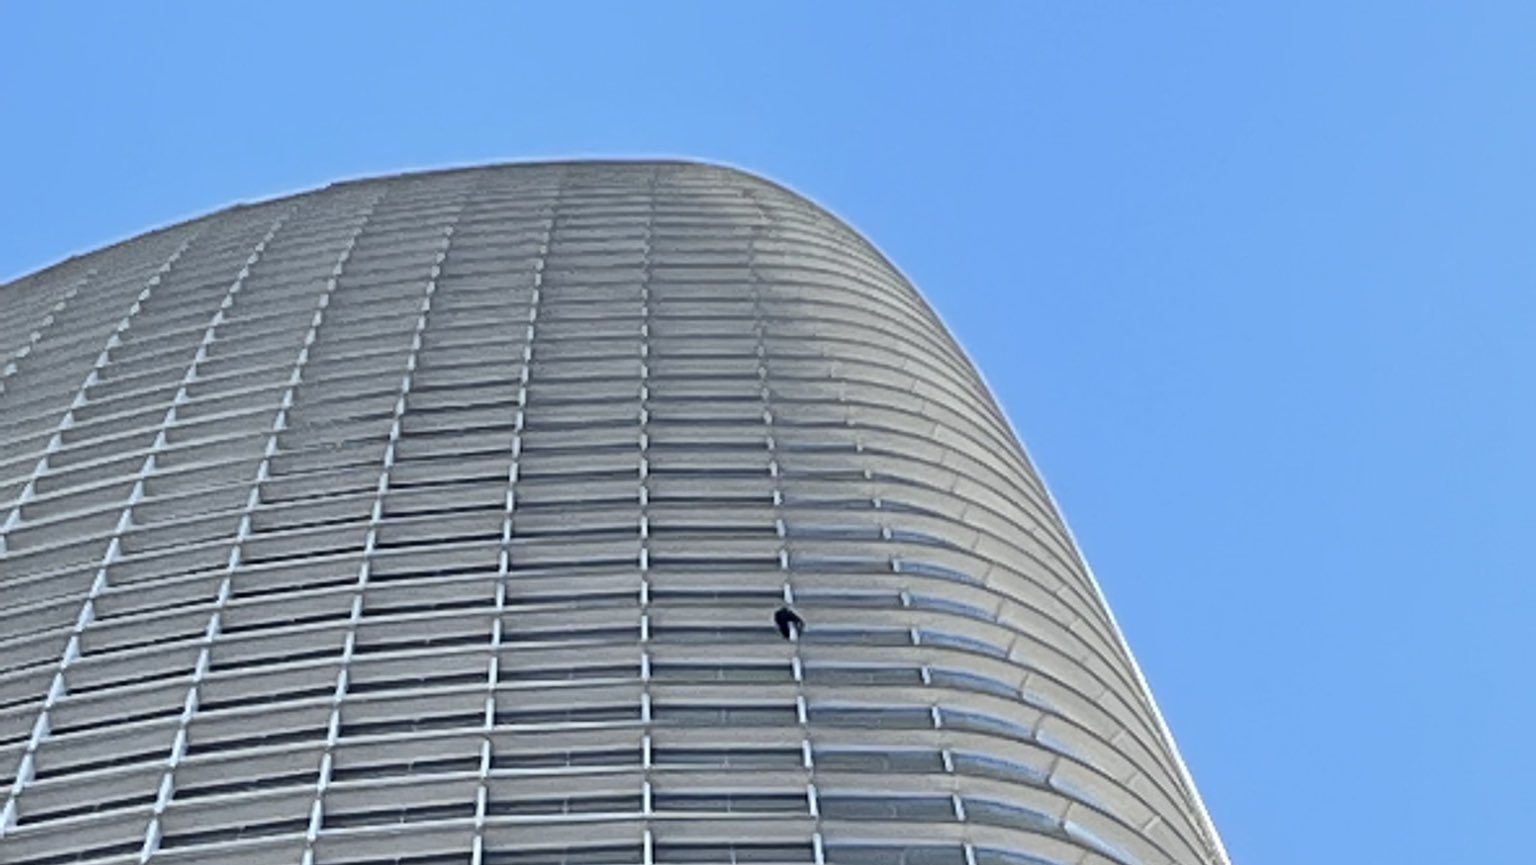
{"points": [[441, 518]]}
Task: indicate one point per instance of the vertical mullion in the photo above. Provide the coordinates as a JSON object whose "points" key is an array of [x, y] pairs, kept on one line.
{"points": [[643, 493], [370, 540], [504, 559], [189, 703], [643, 497], [103, 358], [12, 363], [27, 765], [797, 664]]}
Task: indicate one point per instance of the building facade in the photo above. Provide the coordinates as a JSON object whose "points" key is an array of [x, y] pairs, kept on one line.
{"points": [[442, 518]]}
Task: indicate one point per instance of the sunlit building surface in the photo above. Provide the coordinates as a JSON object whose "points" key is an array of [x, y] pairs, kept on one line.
{"points": [[443, 518]]}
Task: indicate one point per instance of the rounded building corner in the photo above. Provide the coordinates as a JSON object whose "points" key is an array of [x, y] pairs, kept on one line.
{"points": [[503, 487]]}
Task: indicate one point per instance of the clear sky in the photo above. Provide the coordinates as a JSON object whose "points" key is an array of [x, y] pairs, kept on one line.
{"points": [[1255, 285]]}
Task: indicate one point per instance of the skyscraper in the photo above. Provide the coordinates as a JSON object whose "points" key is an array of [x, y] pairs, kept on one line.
{"points": [[443, 518]]}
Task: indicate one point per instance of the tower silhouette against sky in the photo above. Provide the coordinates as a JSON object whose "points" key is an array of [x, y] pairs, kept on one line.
{"points": [[444, 518]]}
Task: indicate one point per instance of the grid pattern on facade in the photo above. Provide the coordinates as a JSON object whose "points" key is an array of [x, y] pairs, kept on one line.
{"points": [[441, 519]]}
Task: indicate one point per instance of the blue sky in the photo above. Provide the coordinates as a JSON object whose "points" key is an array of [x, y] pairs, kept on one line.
{"points": [[1254, 284]]}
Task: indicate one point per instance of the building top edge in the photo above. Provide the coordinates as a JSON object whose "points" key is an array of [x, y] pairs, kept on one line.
{"points": [[639, 162]]}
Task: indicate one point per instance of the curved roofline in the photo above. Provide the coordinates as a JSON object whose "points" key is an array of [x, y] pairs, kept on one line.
{"points": [[239, 203], [552, 163], [1141, 680], [1082, 557]]}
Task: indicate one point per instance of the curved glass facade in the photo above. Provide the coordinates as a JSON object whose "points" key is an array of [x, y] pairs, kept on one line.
{"points": [[443, 518]]}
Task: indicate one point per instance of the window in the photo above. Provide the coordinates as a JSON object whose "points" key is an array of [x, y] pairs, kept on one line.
{"points": [[566, 805], [879, 761], [619, 855], [958, 720], [929, 569], [735, 803], [995, 767], [1012, 816], [566, 759], [715, 854], [887, 719], [825, 674], [1005, 857], [410, 725], [711, 634], [927, 854], [729, 758], [955, 641], [972, 682], [858, 636], [410, 684], [1079, 832], [926, 808], [663, 596], [911, 536], [236, 833], [29, 817], [944, 605], [79, 855], [708, 716], [575, 715], [857, 600], [428, 859], [413, 767], [674, 672]]}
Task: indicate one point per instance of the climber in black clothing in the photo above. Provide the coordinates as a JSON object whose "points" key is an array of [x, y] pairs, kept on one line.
{"points": [[786, 619]]}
